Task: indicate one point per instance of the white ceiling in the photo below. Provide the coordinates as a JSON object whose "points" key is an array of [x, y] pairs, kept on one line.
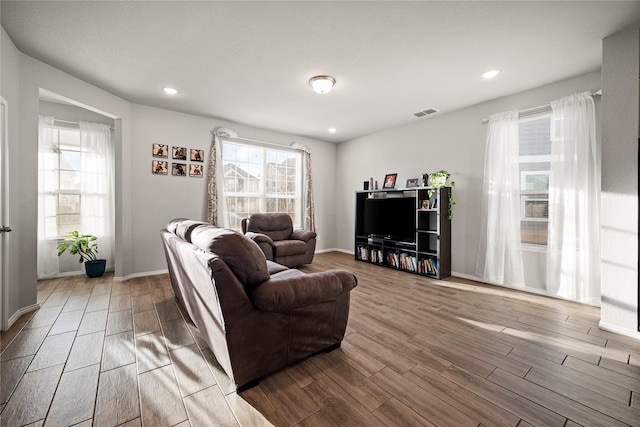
{"points": [[249, 62]]}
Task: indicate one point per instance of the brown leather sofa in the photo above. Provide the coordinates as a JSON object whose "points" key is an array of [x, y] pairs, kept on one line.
{"points": [[257, 316], [275, 235]]}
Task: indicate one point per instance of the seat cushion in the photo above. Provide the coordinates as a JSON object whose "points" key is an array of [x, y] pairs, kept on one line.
{"points": [[283, 248], [274, 267], [242, 255]]}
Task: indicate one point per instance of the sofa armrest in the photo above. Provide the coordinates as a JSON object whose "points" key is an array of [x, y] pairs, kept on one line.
{"points": [[290, 291], [303, 235], [259, 237]]}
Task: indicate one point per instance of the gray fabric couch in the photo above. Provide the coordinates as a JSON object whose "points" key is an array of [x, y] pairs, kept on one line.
{"points": [[257, 316]]}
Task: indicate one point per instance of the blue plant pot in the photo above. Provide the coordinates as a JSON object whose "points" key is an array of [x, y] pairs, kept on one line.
{"points": [[95, 268]]}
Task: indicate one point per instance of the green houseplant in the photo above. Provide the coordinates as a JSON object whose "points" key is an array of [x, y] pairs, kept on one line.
{"points": [[84, 245], [440, 179]]}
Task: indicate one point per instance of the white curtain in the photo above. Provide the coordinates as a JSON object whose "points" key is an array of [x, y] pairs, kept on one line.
{"points": [[97, 210], [47, 261], [573, 253], [500, 253]]}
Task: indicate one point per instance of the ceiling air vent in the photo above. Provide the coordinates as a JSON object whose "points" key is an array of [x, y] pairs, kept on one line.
{"points": [[425, 112]]}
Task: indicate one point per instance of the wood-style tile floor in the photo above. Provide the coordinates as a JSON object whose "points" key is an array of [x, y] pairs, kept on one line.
{"points": [[417, 352]]}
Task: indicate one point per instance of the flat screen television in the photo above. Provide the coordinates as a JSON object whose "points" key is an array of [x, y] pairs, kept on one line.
{"points": [[393, 218]]}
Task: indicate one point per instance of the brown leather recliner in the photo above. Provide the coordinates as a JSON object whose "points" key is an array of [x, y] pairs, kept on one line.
{"points": [[257, 316], [275, 235]]}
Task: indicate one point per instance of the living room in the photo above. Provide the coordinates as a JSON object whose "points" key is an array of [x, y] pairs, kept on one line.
{"points": [[452, 140]]}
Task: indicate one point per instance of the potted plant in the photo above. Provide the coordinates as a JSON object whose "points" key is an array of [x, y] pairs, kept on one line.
{"points": [[440, 179], [83, 245]]}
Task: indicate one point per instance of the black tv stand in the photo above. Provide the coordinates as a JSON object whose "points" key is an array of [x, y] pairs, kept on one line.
{"points": [[430, 252]]}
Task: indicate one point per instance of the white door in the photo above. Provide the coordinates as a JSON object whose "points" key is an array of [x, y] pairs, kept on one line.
{"points": [[4, 213]]}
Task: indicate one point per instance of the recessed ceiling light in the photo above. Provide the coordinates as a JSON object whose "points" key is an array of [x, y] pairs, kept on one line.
{"points": [[490, 74], [332, 130], [169, 90]]}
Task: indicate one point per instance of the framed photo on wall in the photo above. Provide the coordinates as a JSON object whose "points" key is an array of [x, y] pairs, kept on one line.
{"points": [[159, 167], [390, 180], [195, 170], [179, 169], [160, 150], [197, 155], [179, 153]]}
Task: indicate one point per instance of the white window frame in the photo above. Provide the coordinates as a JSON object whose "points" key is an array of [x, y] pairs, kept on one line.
{"points": [[535, 247], [261, 194], [58, 191]]}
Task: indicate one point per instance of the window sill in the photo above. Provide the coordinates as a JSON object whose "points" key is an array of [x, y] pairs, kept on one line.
{"points": [[534, 248]]}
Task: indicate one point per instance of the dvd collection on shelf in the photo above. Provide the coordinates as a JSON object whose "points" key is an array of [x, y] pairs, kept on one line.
{"points": [[399, 260]]}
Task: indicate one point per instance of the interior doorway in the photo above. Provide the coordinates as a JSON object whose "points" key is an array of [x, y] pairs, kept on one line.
{"points": [[4, 213]]}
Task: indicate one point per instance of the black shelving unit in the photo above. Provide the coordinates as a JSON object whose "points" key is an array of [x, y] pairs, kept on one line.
{"points": [[429, 254]]}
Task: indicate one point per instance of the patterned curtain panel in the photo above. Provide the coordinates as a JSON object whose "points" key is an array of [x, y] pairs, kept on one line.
{"points": [[309, 214], [212, 188]]}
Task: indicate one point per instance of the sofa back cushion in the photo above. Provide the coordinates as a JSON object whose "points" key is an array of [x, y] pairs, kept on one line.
{"points": [[278, 226], [241, 254], [183, 227]]}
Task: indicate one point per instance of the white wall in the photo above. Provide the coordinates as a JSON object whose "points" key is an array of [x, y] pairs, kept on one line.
{"points": [[22, 274], [455, 142], [72, 113], [159, 198], [620, 99]]}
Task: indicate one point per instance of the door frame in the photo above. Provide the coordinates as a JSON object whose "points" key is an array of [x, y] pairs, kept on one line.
{"points": [[4, 212]]}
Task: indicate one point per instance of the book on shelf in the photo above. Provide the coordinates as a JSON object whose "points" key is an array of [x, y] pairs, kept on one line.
{"points": [[428, 266], [407, 262]]}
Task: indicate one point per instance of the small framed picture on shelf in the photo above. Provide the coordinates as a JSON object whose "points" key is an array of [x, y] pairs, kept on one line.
{"points": [[195, 170], [390, 180], [425, 204], [179, 169], [159, 167], [412, 182], [160, 150], [197, 155], [179, 153]]}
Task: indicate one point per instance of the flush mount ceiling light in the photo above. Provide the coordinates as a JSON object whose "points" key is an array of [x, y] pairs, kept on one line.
{"points": [[169, 90], [333, 130], [490, 74], [322, 84]]}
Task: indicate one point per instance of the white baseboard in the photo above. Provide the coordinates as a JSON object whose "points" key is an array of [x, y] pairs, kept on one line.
{"points": [[618, 330], [335, 250], [536, 291], [136, 275], [17, 314]]}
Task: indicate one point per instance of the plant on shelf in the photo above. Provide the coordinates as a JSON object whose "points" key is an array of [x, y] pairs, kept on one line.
{"points": [[440, 179], [85, 246]]}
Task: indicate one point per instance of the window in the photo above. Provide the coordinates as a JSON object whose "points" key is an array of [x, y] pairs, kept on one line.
{"points": [[535, 161], [261, 179], [62, 181]]}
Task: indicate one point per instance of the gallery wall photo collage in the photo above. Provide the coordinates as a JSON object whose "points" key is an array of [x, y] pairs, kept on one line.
{"points": [[179, 166]]}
